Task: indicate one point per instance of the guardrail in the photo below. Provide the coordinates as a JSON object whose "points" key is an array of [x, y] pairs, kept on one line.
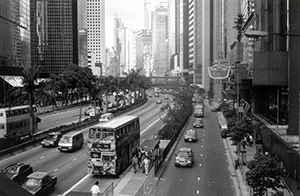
{"points": [[38, 137]]}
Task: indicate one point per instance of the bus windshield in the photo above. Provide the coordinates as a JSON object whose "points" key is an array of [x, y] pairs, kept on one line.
{"points": [[101, 133]]}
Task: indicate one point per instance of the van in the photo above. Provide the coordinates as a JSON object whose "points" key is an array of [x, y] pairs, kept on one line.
{"points": [[106, 117], [71, 141]]}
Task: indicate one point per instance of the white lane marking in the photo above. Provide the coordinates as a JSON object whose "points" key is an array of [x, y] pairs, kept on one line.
{"points": [[74, 159], [55, 170], [42, 157], [151, 124], [74, 186], [202, 146], [200, 165], [201, 155], [198, 192], [198, 178]]}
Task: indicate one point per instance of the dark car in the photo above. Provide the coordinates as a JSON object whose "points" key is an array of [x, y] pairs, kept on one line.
{"points": [[18, 172], [184, 157], [190, 136], [52, 139], [198, 123], [39, 183]]}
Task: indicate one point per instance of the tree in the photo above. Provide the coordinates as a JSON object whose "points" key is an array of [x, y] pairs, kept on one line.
{"points": [[238, 25], [178, 113], [264, 174], [30, 76]]}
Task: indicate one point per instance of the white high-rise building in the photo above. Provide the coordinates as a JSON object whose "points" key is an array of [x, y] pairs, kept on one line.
{"points": [[96, 30]]}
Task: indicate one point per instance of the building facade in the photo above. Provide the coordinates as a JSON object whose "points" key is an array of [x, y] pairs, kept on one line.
{"points": [[54, 29], [14, 43], [160, 42], [96, 29]]}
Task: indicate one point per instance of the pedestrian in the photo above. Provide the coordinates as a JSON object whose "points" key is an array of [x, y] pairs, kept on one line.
{"points": [[134, 163], [250, 140], [95, 189], [236, 162], [146, 163], [139, 158]]}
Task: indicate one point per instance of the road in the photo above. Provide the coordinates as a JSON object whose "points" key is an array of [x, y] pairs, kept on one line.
{"points": [[61, 117], [70, 168], [209, 175]]}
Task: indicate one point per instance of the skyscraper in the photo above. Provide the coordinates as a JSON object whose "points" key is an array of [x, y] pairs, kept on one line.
{"points": [[96, 30], [14, 33], [14, 43], [160, 40], [55, 26]]}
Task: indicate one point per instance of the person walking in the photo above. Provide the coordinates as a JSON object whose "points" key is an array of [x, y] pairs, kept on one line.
{"points": [[146, 163], [95, 189], [134, 163], [139, 158]]}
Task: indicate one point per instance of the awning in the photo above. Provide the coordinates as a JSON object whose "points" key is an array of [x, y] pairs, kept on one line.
{"points": [[15, 81]]}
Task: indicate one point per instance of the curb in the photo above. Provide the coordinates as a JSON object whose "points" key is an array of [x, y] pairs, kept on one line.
{"points": [[237, 177]]}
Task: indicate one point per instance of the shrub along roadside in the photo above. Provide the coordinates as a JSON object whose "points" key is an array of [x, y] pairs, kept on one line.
{"points": [[263, 171], [177, 115]]}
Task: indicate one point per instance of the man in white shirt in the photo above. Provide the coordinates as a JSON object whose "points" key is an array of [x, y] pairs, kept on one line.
{"points": [[95, 189]]}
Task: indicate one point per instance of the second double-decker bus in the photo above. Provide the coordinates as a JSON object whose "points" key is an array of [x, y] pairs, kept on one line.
{"points": [[111, 145], [16, 122]]}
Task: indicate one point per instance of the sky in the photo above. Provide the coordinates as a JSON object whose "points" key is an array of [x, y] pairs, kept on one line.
{"points": [[132, 12]]}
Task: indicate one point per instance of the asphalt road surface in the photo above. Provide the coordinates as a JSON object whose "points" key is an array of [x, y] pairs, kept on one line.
{"points": [[209, 175]]}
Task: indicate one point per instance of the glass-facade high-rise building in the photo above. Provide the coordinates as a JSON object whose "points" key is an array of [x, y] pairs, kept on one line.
{"points": [[14, 43], [55, 26], [14, 33]]}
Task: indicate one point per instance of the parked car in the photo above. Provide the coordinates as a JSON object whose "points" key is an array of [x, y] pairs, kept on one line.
{"points": [[166, 97], [158, 101], [39, 183], [18, 172], [52, 139], [190, 136], [184, 157], [156, 94], [198, 123]]}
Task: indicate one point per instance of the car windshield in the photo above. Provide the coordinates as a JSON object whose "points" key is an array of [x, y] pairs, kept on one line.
{"points": [[183, 154], [32, 182], [13, 169], [66, 140], [190, 134], [51, 137]]}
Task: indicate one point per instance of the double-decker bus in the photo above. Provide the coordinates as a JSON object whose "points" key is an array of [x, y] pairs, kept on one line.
{"points": [[16, 122], [111, 145]]}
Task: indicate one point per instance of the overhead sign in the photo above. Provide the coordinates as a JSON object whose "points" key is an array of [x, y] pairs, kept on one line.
{"points": [[219, 71]]}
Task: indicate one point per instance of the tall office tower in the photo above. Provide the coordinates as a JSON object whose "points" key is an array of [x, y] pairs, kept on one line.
{"points": [[144, 51], [118, 24], [55, 27], [160, 41], [174, 36], [127, 52], [147, 14], [14, 33], [96, 31], [14, 42]]}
